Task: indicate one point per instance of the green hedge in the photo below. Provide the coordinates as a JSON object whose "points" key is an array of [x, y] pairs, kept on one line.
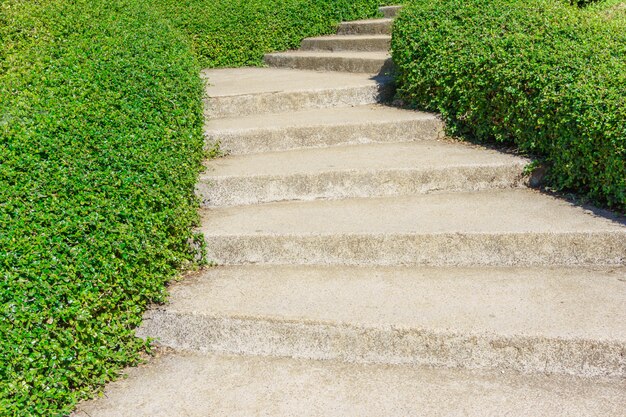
{"points": [[100, 147], [227, 33], [541, 74]]}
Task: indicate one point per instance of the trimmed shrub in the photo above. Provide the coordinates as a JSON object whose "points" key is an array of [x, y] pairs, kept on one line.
{"points": [[100, 147], [540, 74]]}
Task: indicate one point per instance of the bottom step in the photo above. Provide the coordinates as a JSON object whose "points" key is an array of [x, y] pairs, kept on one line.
{"points": [[199, 386]]}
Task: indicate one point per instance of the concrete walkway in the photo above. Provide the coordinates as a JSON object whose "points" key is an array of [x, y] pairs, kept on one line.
{"points": [[369, 266]]}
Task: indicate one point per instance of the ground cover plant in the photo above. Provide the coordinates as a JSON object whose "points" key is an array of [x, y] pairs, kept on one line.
{"points": [[228, 33], [544, 75], [100, 147]]}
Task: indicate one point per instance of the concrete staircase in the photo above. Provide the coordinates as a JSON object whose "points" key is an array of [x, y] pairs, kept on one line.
{"points": [[371, 267]]}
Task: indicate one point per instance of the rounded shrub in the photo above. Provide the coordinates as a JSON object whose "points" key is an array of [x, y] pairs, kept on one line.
{"points": [[100, 148], [541, 74]]}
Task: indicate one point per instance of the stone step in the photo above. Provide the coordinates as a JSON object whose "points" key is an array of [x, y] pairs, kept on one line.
{"points": [[366, 43], [195, 385], [366, 27], [357, 171], [496, 228], [248, 91], [320, 128], [344, 61], [390, 11], [545, 320]]}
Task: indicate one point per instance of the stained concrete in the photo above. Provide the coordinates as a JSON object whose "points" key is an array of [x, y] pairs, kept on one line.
{"points": [[366, 43], [247, 91], [320, 128], [346, 61], [357, 171], [506, 301], [524, 319], [199, 386], [440, 154], [366, 27], [494, 211], [495, 227], [228, 82]]}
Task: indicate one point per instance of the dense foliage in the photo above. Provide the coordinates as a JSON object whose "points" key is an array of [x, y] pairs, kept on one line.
{"points": [[228, 33], [100, 147], [541, 74]]}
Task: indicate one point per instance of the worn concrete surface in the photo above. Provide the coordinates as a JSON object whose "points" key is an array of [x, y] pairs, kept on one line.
{"points": [[357, 171], [507, 301], [199, 386], [346, 61], [366, 27], [367, 43], [494, 211], [524, 319], [440, 154], [320, 128], [228, 82], [495, 227], [438, 249], [246, 91]]}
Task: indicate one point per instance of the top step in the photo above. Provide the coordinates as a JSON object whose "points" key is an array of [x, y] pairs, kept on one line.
{"points": [[390, 11]]}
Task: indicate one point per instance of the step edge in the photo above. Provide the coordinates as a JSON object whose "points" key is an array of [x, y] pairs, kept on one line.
{"points": [[512, 165], [485, 351]]}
